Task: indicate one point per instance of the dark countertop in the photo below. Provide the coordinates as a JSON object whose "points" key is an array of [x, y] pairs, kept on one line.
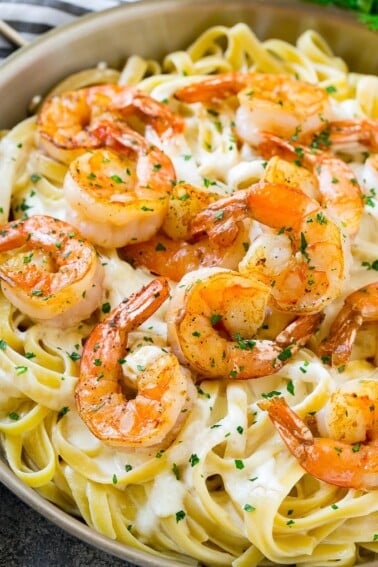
{"points": [[27, 539]]}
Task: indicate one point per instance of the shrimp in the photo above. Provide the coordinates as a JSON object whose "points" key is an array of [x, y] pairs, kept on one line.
{"points": [[165, 390], [331, 460], [346, 135], [175, 258], [185, 201], [119, 194], [65, 121], [336, 183], [267, 103], [52, 274], [351, 413], [304, 263], [359, 307], [213, 318]]}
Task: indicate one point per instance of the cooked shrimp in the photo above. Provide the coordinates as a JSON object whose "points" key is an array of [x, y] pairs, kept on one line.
{"points": [[52, 274], [336, 183], [332, 461], [346, 135], [304, 263], [267, 102], [185, 201], [359, 307], [175, 258], [351, 413], [212, 321], [165, 390], [119, 195], [65, 121]]}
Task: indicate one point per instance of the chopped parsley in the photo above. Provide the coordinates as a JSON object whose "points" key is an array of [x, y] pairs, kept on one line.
{"points": [[176, 471], [106, 307], [180, 515], [369, 199], [214, 319], [194, 459], [270, 394], [322, 139], [160, 247], [14, 416], [203, 393], [63, 411], [371, 265], [285, 354], [244, 344], [74, 356], [290, 387], [116, 179], [249, 508]]}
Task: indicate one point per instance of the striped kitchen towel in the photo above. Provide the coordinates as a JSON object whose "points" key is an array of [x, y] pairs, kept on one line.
{"points": [[30, 18]]}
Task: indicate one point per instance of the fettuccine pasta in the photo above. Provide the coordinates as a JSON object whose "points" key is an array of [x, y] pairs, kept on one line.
{"points": [[224, 489]]}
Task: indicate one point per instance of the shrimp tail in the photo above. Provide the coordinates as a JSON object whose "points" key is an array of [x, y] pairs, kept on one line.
{"points": [[364, 132], [337, 348], [289, 425], [98, 393], [334, 462], [142, 304], [158, 114], [300, 330], [359, 307], [118, 135], [268, 357], [220, 221], [212, 89]]}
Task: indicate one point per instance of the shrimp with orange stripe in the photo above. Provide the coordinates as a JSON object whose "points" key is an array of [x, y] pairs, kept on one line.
{"points": [[277, 104], [335, 183], [169, 253], [119, 194], [49, 271], [65, 121], [346, 453], [164, 389], [300, 254], [213, 321], [346, 135], [361, 306]]}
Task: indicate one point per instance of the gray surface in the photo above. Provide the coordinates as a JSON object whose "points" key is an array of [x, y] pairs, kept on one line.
{"points": [[27, 539]]}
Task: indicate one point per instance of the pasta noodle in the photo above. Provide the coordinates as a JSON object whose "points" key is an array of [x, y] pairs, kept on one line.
{"points": [[226, 491]]}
